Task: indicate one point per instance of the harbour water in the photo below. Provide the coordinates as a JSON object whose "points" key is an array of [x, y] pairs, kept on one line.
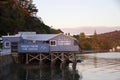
{"points": [[97, 66]]}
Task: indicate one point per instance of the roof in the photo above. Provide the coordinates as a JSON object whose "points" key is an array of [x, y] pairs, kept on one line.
{"points": [[17, 35], [39, 37]]}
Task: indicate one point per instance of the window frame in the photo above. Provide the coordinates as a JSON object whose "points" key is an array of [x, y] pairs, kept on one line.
{"points": [[64, 42], [52, 41], [5, 44]]}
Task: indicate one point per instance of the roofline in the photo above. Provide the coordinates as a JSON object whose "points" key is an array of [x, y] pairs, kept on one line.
{"points": [[17, 35], [10, 36], [64, 35]]}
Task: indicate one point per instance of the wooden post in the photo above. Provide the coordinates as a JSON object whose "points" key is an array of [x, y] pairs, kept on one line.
{"points": [[27, 57], [52, 60], [52, 57], [74, 61], [62, 57], [73, 57], [40, 58], [62, 65], [0, 59]]}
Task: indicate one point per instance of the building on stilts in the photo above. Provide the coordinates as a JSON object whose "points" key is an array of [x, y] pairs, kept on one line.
{"points": [[27, 47]]}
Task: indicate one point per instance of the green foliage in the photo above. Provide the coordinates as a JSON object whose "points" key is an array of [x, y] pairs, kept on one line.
{"points": [[84, 42], [17, 15]]}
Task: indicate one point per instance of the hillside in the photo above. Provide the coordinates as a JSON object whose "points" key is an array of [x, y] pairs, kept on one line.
{"points": [[19, 15], [112, 37], [96, 41]]}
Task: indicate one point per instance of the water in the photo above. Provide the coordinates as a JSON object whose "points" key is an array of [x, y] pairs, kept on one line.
{"points": [[99, 66]]}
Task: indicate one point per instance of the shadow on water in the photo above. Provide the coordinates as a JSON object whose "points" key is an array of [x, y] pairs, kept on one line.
{"points": [[38, 72]]}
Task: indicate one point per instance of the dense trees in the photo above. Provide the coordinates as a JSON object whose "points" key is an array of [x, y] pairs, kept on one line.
{"points": [[84, 42], [98, 42], [18, 15]]}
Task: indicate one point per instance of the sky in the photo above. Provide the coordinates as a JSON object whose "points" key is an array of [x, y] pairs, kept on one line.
{"points": [[76, 16]]}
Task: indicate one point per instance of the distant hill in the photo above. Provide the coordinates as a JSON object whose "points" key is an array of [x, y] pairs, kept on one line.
{"points": [[111, 36], [100, 42], [108, 40]]}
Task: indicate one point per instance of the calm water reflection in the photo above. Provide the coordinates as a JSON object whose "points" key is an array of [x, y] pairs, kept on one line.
{"points": [[94, 67], [36, 72], [100, 66]]}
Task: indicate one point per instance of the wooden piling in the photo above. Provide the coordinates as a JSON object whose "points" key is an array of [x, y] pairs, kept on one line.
{"points": [[74, 61], [27, 58], [62, 57], [40, 60]]}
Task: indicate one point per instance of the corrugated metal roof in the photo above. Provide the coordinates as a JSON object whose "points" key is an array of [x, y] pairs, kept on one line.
{"points": [[39, 37]]}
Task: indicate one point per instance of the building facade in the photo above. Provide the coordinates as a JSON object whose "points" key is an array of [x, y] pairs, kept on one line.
{"points": [[27, 42]]}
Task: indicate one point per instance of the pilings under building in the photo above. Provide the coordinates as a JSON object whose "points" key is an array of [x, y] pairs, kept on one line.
{"points": [[52, 57]]}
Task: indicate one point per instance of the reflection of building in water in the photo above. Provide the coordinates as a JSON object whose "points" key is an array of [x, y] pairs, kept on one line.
{"points": [[54, 73]]}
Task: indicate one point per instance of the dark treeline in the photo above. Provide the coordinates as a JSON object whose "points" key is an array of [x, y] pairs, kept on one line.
{"points": [[19, 15], [100, 42]]}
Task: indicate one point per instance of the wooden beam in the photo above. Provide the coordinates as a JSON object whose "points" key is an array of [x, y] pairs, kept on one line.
{"points": [[74, 61], [62, 57], [27, 57], [34, 57], [55, 56], [40, 58], [43, 56]]}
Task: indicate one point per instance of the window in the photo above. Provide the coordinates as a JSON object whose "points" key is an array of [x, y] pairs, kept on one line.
{"points": [[7, 44], [67, 42], [64, 42], [53, 43], [60, 42]]}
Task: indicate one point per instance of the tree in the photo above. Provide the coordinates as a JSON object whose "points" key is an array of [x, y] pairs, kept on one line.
{"points": [[95, 42], [28, 6], [18, 15], [83, 42]]}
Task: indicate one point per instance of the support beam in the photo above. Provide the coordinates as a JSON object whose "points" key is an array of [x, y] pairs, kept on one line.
{"points": [[74, 61], [33, 57], [62, 57], [52, 57], [40, 58], [43, 56], [55, 56], [27, 57], [73, 57]]}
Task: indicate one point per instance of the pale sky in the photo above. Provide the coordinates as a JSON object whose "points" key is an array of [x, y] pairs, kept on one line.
{"points": [[77, 14]]}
